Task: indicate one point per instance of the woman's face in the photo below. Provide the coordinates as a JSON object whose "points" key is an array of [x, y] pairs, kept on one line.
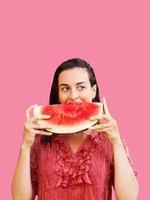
{"points": [[74, 86]]}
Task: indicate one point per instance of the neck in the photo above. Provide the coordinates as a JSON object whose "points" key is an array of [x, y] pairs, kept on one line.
{"points": [[77, 137]]}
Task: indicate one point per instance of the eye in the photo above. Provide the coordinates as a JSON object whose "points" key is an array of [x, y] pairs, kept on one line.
{"points": [[64, 89], [81, 87]]}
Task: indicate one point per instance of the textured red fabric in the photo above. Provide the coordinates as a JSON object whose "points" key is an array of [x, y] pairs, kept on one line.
{"points": [[59, 174]]}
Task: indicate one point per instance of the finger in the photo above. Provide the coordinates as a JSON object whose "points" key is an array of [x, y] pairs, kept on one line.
{"points": [[101, 126], [45, 133], [102, 119], [34, 119], [43, 116], [97, 117], [106, 110], [28, 126], [35, 132], [42, 127], [28, 111]]}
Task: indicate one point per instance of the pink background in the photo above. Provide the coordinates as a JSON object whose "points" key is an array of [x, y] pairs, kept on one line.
{"points": [[114, 36]]}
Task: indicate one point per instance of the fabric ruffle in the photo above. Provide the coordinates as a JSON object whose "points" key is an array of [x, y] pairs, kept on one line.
{"points": [[73, 169]]}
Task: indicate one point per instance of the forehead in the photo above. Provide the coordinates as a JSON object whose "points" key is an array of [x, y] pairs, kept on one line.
{"points": [[73, 76]]}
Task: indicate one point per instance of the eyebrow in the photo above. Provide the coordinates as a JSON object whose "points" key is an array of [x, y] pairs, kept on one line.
{"points": [[64, 84]]}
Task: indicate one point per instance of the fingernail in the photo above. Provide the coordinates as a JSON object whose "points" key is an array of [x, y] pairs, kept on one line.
{"points": [[103, 120]]}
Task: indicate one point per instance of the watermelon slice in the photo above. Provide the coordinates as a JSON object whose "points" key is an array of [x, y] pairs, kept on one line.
{"points": [[68, 118]]}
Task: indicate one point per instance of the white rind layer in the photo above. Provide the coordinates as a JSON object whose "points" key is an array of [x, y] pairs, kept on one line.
{"points": [[67, 129]]}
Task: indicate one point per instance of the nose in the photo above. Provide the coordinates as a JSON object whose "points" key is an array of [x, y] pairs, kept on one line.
{"points": [[74, 94]]}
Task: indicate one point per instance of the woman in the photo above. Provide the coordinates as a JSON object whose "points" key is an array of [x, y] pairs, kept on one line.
{"points": [[78, 166]]}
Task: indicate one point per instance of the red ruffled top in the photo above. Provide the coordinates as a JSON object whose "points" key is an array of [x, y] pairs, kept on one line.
{"points": [[73, 169], [58, 173]]}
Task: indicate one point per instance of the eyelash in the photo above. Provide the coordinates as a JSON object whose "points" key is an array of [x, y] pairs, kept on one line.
{"points": [[82, 87]]}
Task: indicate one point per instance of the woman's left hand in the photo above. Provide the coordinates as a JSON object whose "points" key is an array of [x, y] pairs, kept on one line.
{"points": [[107, 124]]}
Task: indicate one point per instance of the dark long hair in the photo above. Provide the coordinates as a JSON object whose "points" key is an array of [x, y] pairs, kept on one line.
{"points": [[69, 64]]}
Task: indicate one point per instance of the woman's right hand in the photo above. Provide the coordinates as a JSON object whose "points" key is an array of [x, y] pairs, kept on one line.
{"points": [[31, 128]]}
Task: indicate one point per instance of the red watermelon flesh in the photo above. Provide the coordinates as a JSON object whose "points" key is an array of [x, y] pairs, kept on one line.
{"points": [[68, 118]]}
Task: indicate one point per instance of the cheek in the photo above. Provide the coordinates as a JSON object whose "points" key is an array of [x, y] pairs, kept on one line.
{"points": [[87, 96], [88, 93], [62, 97], [83, 96]]}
